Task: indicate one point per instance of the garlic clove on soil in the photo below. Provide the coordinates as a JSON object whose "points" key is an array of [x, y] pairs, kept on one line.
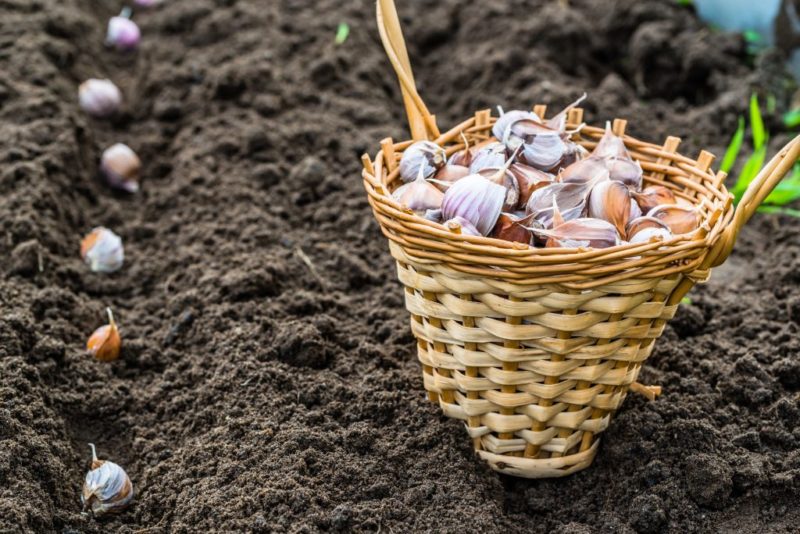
{"points": [[105, 342], [121, 166], [123, 33], [106, 487], [99, 98], [477, 200], [652, 196], [102, 250], [611, 201], [423, 156], [679, 219]]}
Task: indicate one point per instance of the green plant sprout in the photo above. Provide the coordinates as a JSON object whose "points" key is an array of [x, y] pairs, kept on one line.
{"points": [[787, 191], [686, 3], [341, 33]]}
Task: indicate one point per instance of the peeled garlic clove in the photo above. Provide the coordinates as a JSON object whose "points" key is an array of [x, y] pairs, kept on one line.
{"points": [[489, 156], [529, 180], [422, 155], [542, 147], [583, 171], [640, 223], [448, 174], [583, 232], [106, 488], [507, 180], [627, 171], [121, 166], [419, 196], [122, 32], [571, 199], [679, 219], [611, 201], [460, 225], [477, 200], [504, 121], [100, 98], [511, 228], [652, 196], [648, 234], [102, 251], [104, 343]]}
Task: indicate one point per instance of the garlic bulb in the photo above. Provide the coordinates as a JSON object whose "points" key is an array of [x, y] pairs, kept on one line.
{"points": [[120, 165], [542, 147], [679, 219], [507, 118], [477, 200], [489, 156], [420, 195], [611, 201], [102, 250], [106, 488], [585, 170], [122, 32], [104, 343], [513, 228], [652, 196], [421, 156], [460, 225], [100, 98]]}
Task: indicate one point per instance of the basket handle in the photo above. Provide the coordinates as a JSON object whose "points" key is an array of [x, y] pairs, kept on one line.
{"points": [[421, 123], [763, 184]]}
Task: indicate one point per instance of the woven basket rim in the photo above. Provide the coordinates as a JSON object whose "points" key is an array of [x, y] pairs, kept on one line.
{"points": [[689, 178]]}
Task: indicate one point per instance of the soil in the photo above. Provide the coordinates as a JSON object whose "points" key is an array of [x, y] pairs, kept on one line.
{"points": [[255, 393]]}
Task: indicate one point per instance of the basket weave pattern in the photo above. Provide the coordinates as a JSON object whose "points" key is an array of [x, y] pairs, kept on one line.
{"points": [[535, 356]]}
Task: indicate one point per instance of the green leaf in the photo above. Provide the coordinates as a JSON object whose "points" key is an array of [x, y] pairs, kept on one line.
{"points": [[734, 147], [686, 300], [752, 36], [772, 103], [341, 33], [781, 211], [791, 119], [686, 3], [787, 191], [757, 123], [749, 171]]}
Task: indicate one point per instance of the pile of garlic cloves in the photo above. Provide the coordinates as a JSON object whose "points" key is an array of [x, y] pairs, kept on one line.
{"points": [[530, 183]]}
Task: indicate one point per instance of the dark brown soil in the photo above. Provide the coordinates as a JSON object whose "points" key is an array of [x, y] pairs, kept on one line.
{"points": [[256, 395]]}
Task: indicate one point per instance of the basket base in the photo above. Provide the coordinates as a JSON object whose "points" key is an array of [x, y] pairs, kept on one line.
{"points": [[541, 467]]}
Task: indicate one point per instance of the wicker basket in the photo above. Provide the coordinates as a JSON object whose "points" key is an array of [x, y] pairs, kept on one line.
{"points": [[534, 349]]}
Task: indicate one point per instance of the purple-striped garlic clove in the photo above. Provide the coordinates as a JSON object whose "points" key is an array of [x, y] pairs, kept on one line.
{"points": [[122, 33], [460, 225], [423, 156], [477, 200], [121, 167], [99, 98], [489, 156]]}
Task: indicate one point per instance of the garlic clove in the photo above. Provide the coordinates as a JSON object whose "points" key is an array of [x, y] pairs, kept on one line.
{"points": [[433, 215], [507, 180], [627, 171], [504, 121], [477, 200], [679, 219], [420, 195], [529, 180], [611, 201], [146, 3], [582, 232], [559, 121], [571, 199], [611, 146], [104, 343], [460, 225], [542, 147], [652, 196], [489, 156], [422, 155], [583, 171], [106, 487], [512, 228], [636, 211], [448, 174], [573, 153], [646, 235], [464, 156], [102, 250], [122, 32], [640, 223], [121, 166], [99, 98]]}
